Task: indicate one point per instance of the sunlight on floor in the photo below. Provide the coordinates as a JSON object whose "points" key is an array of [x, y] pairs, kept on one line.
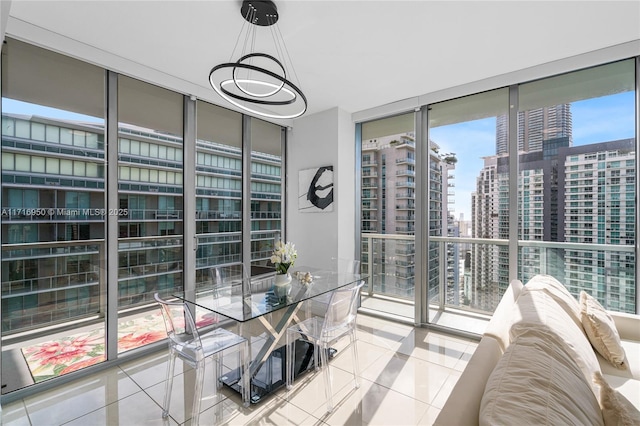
{"points": [[406, 376]]}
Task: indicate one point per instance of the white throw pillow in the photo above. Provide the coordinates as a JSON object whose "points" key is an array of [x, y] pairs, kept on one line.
{"points": [[537, 381], [616, 409], [601, 330]]}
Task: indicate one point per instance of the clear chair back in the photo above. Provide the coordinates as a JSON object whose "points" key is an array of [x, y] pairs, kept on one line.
{"points": [[343, 265], [230, 280], [342, 309], [181, 329]]}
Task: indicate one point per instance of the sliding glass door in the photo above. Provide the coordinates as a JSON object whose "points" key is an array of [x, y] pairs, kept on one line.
{"points": [[468, 203], [535, 178], [388, 212]]}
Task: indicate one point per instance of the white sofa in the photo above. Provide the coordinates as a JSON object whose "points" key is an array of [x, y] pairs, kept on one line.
{"points": [[540, 308]]}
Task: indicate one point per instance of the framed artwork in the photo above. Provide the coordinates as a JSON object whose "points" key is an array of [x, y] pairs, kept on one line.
{"points": [[316, 190]]}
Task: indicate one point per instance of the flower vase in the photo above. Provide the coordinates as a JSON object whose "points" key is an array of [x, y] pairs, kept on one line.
{"points": [[282, 285]]}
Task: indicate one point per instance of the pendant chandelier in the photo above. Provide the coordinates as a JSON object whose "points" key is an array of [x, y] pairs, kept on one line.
{"points": [[259, 82]]}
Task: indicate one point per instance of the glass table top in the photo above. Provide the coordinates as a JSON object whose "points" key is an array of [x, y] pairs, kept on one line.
{"points": [[232, 303]]}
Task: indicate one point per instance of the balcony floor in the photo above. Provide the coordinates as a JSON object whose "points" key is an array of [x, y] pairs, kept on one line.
{"points": [[455, 319], [406, 376]]}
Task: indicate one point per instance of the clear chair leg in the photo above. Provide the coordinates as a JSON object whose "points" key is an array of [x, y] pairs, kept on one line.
{"points": [[168, 384], [327, 376], [245, 374], [290, 360], [219, 364], [316, 356], [197, 394], [356, 363]]}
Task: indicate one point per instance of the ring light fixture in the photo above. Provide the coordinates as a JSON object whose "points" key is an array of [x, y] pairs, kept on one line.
{"points": [[258, 82]]}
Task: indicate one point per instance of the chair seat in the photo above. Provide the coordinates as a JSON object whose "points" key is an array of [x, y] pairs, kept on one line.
{"points": [[313, 329], [212, 342]]}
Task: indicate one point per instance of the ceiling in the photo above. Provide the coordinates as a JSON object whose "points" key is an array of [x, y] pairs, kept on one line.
{"points": [[353, 54]]}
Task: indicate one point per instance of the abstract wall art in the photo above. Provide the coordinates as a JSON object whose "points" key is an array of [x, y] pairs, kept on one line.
{"points": [[316, 190]]}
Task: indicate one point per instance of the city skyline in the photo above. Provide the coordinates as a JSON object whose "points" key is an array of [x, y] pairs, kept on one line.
{"points": [[594, 120]]}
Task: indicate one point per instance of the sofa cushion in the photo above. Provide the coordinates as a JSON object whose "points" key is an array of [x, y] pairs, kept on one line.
{"points": [[560, 294], [601, 330], [538, 382], [497, 328], [628, 325], [616, 409], [538, 311]]}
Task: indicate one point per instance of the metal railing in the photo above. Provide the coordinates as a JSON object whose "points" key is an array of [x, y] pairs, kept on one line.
{"points": [[603, 269]]}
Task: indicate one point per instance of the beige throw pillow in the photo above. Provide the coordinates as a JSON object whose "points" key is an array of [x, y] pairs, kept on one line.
{"points": [[616, 409], [601, 330]]}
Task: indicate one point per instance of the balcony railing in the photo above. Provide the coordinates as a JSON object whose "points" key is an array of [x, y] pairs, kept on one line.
{"points": [[604, 270], [406, 160]]}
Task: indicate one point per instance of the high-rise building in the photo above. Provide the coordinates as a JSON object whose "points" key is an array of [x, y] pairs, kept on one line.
{"points": [[583, 194], [597, 193], [485, 210], [53, 174], [541, 132], [534, 127], [388, 207]]}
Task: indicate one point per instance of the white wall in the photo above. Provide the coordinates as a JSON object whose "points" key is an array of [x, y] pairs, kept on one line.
{"points": [[322, 139]]}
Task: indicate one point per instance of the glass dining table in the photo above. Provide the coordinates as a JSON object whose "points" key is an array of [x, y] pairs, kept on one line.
{"points": [[275, 311]]}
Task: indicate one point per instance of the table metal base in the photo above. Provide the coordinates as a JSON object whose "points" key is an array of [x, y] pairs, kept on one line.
{"points": [[271, 375]]}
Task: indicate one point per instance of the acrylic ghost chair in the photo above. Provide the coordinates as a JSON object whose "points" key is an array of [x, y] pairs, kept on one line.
{"points": [[339, 322], [351, 266], [318, 305], [187, 343], [230, 280]]}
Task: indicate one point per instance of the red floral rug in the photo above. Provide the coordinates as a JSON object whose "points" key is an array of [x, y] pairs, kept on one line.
{"points": [[74, 352]]}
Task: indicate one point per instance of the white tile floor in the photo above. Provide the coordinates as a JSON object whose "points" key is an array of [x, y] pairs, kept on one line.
{"points": [[406, 376]]}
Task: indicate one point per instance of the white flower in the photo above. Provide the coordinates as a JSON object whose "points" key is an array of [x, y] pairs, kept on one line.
{"points": [[283, 257]]}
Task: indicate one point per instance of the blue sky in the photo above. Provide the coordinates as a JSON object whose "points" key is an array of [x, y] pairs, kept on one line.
{"points": [[17, 107], [594, 120]]}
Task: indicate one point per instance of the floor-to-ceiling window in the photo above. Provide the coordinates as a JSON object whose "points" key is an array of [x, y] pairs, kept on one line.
{"points": [[218, 189], [468, 194], [53, 215], [577, 181], [150, 175], [564, 205], [388, 211], [93, 208], [266, 189]]}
